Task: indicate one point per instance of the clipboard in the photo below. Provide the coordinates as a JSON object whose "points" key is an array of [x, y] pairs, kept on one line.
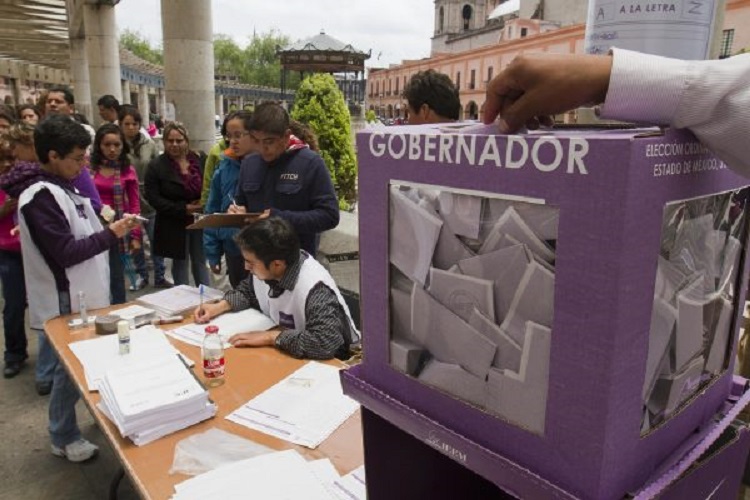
{"points": [[223, 220]]}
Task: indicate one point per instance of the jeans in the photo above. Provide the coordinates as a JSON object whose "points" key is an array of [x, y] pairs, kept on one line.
{"points": [[116, 276], [14, 312], [139, 259], [193, 251], [63, 427], [46, 360], [236, 269]]}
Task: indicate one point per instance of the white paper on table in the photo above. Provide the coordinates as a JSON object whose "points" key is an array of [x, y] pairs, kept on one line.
{"points": [[282, 475], [326, 474], [249, 320], [132, 312], [150, 385], [179, 299], [102, 353], [304, 408], [352, 486]]}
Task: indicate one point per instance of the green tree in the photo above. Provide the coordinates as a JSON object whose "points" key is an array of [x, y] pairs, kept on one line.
{"points": [[370, 116], [139, 45], [255, 64], [320, 104]]}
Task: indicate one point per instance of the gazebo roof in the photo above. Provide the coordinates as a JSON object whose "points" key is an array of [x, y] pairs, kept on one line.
{"points": [[322, 43], [322, 53]]}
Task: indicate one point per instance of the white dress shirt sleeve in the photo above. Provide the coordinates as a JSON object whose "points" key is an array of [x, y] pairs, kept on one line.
{"points": [[711, 98]]}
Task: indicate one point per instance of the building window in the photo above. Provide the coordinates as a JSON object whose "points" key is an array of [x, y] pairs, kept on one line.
{"points": [[510, 32], [489, 73], [524, 32], [458, 80], [727, 37], [472, 80], [377, 87], [441, 20], [396, 92], [466, 13]]}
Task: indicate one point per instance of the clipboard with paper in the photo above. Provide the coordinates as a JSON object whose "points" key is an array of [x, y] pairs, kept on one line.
{"points": [[223, 220]]}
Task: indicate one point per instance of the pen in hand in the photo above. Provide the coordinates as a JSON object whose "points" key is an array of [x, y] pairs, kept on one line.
{"points": [[200, 288]]}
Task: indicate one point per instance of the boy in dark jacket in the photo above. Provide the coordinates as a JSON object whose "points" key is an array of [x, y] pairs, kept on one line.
{"points": [[286, 179]]}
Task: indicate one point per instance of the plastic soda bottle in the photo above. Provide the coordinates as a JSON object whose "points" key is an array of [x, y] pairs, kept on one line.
{"points": [[213, 357]]}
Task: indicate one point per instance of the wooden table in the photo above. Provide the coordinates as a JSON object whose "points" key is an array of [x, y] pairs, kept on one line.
{"points": [[249, 372]]}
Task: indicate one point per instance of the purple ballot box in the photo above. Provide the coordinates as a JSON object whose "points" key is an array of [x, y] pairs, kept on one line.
{"points": [[567, 299]]}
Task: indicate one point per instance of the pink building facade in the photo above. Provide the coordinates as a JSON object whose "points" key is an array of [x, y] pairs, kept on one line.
{"points": [[473, 69]]}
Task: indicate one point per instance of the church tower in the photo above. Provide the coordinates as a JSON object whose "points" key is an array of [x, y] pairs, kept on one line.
{"points": [[455, 18]]}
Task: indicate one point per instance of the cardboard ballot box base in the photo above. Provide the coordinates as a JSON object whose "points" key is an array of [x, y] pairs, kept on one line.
{"points": [[409, 456]]}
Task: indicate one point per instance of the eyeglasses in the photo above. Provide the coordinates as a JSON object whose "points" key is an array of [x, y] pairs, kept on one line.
{"points": [[238, 136]]}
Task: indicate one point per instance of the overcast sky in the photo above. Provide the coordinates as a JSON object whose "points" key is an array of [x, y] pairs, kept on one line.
{"points": [[393, 29]]}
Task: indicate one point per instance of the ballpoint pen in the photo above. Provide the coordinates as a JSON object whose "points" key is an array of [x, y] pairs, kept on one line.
{"points": [[200, 309]]}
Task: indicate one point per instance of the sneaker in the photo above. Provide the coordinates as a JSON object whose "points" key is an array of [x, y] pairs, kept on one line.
{"points": [[140, 284], [43, 388], [12, 368], [163, 283], [77, 451]]}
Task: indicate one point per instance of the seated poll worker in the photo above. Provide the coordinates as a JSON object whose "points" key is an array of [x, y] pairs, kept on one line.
{"points": [[293, 289], [286, 179]]}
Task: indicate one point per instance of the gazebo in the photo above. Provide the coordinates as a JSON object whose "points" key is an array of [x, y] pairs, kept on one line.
{"points": [[324, 54]]}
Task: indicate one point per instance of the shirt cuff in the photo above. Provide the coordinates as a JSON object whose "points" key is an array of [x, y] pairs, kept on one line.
{"points": [[645, 88]]}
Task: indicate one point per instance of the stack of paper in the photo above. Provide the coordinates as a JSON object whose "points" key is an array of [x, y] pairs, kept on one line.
{"points": [[304, 408], [249, 320], [179, 300], [139, 314], [153, 397], [100, 354], [284, 474]]}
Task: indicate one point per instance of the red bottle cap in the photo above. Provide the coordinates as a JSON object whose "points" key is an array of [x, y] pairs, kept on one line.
{"points": [[212, 329]]}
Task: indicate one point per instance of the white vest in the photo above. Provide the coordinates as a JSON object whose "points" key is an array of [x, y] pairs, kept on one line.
{"points": [[90, 276], [291, 304]]}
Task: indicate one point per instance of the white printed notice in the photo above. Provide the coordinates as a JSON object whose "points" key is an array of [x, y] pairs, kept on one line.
{"points": [[672, 28], [304, 408]]}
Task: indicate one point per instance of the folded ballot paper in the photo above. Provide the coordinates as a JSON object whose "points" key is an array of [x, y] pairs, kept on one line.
{"points": [[472, 291], [283, 474], [153, 397], [691, 318], [304, 408], [179, 300]]}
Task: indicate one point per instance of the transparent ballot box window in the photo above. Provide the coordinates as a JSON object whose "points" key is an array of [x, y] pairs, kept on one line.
{"points": [[695, 300], [472, 279]]}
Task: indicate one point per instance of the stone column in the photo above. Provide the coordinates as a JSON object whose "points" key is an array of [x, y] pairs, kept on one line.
{"points": [[189, 66], [125, 92], [17, 91], [219, 106], [103, 51], [161, 103], [79, 76], [143, 105]]}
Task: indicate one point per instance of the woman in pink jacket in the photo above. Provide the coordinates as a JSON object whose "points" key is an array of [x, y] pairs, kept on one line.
{"points": [[11, 274]]}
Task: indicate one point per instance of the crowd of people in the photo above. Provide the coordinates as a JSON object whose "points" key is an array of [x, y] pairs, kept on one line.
{"points": [[81, 207], [73, 200]]}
